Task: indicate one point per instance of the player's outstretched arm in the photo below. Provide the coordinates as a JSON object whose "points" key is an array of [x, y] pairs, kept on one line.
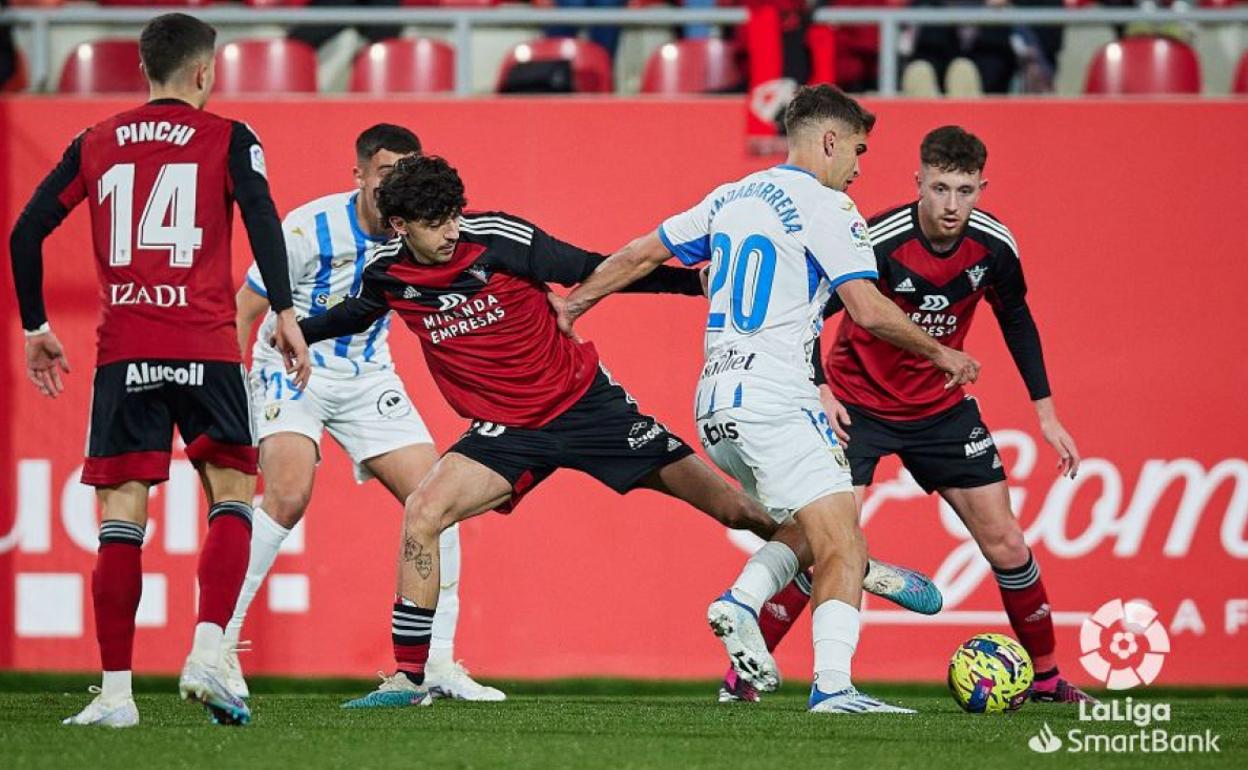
{"points": [[877, 314], [351, 316], [250, 305], [636, 260]]}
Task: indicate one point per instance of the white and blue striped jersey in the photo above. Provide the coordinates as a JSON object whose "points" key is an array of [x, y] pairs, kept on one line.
{"points": [[779, 244], [327, 252]]}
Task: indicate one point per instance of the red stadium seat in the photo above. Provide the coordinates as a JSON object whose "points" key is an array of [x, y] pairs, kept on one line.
{"points": [[269, 66], [276, 3], [453, 3], [163, 3], [591, 65], [103, 67], [1144, 65], [35, 3], [420, 66], [1240, 85], [691, 67]]}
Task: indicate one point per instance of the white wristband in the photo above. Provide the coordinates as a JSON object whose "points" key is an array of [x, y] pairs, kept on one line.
{"points": [[43, 329]]}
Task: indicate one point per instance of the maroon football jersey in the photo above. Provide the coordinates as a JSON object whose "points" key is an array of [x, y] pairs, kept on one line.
{"points": [[158, 185], [940, 292]]}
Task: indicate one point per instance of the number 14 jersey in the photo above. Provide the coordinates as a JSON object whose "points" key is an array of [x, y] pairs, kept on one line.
{"points": [[160, 182], [779, 244]]}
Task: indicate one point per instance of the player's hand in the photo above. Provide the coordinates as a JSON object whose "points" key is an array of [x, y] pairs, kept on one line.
{"points": [[563, 317], [45, 360], [1067, 452], [959, 368], [288, 339], [836, 413]]}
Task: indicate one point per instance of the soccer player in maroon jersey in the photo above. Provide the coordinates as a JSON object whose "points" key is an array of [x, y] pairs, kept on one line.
{"points": [[473, 290], [937, 258], [160, 181]]}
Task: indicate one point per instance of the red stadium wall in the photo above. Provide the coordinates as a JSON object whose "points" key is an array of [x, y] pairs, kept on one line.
{"points": [[1129, 217]]}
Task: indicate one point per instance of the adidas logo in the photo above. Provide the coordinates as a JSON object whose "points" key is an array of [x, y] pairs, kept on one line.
{"points": [[410, 293], [996, 461], [777, 611], [1038, 615], [673, 444], [905, 287]]}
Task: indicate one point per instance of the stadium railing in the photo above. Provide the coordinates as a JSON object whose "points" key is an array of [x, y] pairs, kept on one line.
{"points": [[462, 22]]}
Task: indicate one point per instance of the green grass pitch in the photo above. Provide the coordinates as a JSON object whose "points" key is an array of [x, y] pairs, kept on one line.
{"points": [[577, 724]]}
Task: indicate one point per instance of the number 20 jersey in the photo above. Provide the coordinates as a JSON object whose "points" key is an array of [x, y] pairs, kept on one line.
{"points": [[158, 181], [779, 244]]}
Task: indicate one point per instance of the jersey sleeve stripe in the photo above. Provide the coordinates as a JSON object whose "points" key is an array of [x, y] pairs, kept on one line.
{"points": [[690, 253], [527, 240], [879, 236], [891, 218], [988, 221], [324, 270], [507, 224], [257, 287], [999, 232], [870, 275]]}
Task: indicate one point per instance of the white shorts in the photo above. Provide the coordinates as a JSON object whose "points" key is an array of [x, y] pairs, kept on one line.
{"points": [[785, 462], [368, 415]]}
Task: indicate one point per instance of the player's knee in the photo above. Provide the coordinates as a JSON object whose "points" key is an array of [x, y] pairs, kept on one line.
{"points": [[746, 514], [423, 516], [286, 507], [1005, 547]]}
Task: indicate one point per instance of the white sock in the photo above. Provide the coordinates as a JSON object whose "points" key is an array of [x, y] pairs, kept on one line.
{"points": [[116, 684], [446, 617], [835, 626], [266, 538], [770, 569], [206, 648]]}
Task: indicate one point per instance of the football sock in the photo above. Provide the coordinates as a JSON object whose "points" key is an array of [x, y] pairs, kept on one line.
{"points": [[116, 585], [410, 628], [223, 561], [1046, 681], [441, 646], [836, 637], [1027, 606], [116, 684], [779, 614], [770, 569], [267, 537]]}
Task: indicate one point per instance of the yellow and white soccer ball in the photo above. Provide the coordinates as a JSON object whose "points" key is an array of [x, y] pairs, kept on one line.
{"points": [[990, 674]]}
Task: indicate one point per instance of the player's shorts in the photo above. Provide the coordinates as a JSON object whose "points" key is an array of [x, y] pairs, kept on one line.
{"points": [[136, 404], [602, 434], [785, 462], [368, 415], [951, 449]]}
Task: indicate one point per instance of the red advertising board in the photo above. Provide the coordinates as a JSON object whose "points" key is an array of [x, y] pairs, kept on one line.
{"points": [[1130, 232]]}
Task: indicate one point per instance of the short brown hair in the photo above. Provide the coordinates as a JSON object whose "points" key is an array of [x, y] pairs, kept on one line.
{"points": [[822, 102], [170, 40], [953, 148]]}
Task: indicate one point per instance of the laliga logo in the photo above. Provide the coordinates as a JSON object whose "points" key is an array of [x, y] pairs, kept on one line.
{"points": [[1136, 647]]}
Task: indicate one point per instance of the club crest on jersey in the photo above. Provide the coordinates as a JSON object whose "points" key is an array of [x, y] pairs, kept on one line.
{"points": [[272, 411], [976, 274]]}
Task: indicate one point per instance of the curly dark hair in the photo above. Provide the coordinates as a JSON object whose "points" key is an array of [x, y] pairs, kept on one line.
{"points": [[421, 188], [953, 148]]}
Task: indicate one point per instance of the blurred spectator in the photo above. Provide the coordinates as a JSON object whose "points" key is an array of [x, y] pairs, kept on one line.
{"points": [[8, 54], [317, 35], [970, 60], [607, 37]]}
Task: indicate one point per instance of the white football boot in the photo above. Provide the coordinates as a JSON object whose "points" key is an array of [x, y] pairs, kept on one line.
{"points": [[850, 701], [114, 712], [449, 679], [233, 670], [736, 625], [206, 684]]}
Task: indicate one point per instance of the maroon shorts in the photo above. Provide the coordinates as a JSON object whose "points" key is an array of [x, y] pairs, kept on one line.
{"points": [[136, 404]]}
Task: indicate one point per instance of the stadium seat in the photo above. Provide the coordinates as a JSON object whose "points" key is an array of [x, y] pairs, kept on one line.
{"points": [[35, 3], [276, 65], [591, 65], [1240, 84], [1142, 66], [695, 66], [420, 66], [453, 3], [103, 67], [276, 3], [164, 3]]}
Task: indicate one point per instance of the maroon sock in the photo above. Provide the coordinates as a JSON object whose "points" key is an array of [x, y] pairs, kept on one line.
{"points": [[116, 585], [1027, 606], [223, 561], [782, 610], [410, 630]]}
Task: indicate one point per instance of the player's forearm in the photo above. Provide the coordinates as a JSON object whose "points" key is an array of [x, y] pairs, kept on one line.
{"points": [[351, 316], [631, 263], [668, 280], [26, 255], [249, 307], [1022, 338], [1046, 411], [877, 314]]}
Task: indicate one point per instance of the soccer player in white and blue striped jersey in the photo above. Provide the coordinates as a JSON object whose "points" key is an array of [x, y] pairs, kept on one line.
{"points": [[779, 242], [354, 393]]}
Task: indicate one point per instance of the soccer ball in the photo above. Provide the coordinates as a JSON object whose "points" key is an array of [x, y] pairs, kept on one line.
{"points": [[990, 674]]}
